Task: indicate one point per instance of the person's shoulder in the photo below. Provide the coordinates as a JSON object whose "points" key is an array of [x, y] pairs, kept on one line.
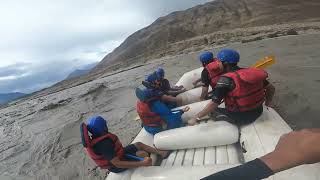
{"points": [[224, 81]]}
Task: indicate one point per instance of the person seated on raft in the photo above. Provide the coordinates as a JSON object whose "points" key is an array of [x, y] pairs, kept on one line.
{"points": [[105, 149], [151, 83], [210, 73], [164, 84], [293, 149], [154, 114], [243, 89]]}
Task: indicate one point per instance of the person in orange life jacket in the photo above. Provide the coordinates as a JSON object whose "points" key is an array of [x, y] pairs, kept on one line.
{"points": [[243, 89], [107, 152], [152, 83], [154, 114], [293, 149], [164, 84], [210, 73]]}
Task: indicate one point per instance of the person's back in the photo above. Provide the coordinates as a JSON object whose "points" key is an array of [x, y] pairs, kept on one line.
{"points": [[105, 149], [248, 92], [154, 114], [210, 73]]}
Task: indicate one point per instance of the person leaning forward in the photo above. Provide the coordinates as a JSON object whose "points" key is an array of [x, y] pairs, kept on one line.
{"points": [[243, 90]]}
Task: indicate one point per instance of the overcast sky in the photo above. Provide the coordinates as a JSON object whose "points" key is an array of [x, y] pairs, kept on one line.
{"points": [[42, 41]]}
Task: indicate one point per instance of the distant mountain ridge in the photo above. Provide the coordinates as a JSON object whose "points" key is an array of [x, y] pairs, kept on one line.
{"points": [[159, 38], [7, 97], [83, 71]]}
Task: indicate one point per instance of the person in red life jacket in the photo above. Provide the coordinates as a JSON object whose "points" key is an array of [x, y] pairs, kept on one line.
{"points": [[243, 89], [105, 149], [154, 114], [164, 84], [293, 149], [151, 82], [210, 73]]}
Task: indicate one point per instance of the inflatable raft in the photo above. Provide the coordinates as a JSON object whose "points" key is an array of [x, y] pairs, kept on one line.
{"points": [[223, 148]]}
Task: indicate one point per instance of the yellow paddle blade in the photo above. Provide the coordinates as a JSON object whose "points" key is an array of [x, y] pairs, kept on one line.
{"points": [[265, 62]]}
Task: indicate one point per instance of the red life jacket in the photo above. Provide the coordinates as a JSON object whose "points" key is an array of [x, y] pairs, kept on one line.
{"points": [[88, 143], [148, 117], [249, 92], [214, 71]]}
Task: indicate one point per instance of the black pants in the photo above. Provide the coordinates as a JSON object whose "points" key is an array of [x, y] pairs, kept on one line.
{"points": [[241, 118]]}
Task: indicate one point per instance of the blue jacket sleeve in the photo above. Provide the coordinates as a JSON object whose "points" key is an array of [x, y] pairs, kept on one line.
{"points": [[164, 112]]}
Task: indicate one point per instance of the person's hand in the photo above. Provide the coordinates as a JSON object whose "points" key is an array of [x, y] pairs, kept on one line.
{"points": [[183, 90], [268, 104], [294, 149], [147, 161], [194, 83], [186, 109], [304, 145], [192, 122]]}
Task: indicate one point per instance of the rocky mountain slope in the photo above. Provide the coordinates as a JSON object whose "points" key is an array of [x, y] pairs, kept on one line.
{"points": [[157, 39], [82, 71]]}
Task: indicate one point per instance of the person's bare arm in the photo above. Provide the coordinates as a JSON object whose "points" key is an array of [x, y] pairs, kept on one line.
{"points": [[167, 98], [294, 149], [131, 164], [270, 90], [175, 92], [211, 106], [196, 82], [204, 93]]}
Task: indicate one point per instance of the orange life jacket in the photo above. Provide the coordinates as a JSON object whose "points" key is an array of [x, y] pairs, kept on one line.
{"points": [[214, 71], [249, 92], [88, 143], [148, 117]]}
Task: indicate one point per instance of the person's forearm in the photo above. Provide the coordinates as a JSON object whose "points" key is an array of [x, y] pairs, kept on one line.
{"points": [[204, 93], [209, 108], [197, 81], [167, 98], [270, 90], [174, 92], [128, 164]]}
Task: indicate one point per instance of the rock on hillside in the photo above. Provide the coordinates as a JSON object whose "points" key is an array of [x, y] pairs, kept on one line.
{"points": [[152, 41]]}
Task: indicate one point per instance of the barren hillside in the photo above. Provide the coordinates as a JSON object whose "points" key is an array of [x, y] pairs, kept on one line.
{"points": [[156, 40]]}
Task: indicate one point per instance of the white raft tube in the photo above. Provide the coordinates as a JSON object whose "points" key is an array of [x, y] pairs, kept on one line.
{"points": [[189, 77], [195, 108], [185, 173], [192, 95], [203, 135]]}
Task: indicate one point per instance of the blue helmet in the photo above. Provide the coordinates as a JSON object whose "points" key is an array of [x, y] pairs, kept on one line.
{"points": [[144, 94], [160, 73], [151, 78], [97, 125], [206, 57], [228, 56]]}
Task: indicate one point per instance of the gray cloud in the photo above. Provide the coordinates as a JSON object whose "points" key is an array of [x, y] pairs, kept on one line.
{"points": [[38, 76], [40, 39], [14, 70]]}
